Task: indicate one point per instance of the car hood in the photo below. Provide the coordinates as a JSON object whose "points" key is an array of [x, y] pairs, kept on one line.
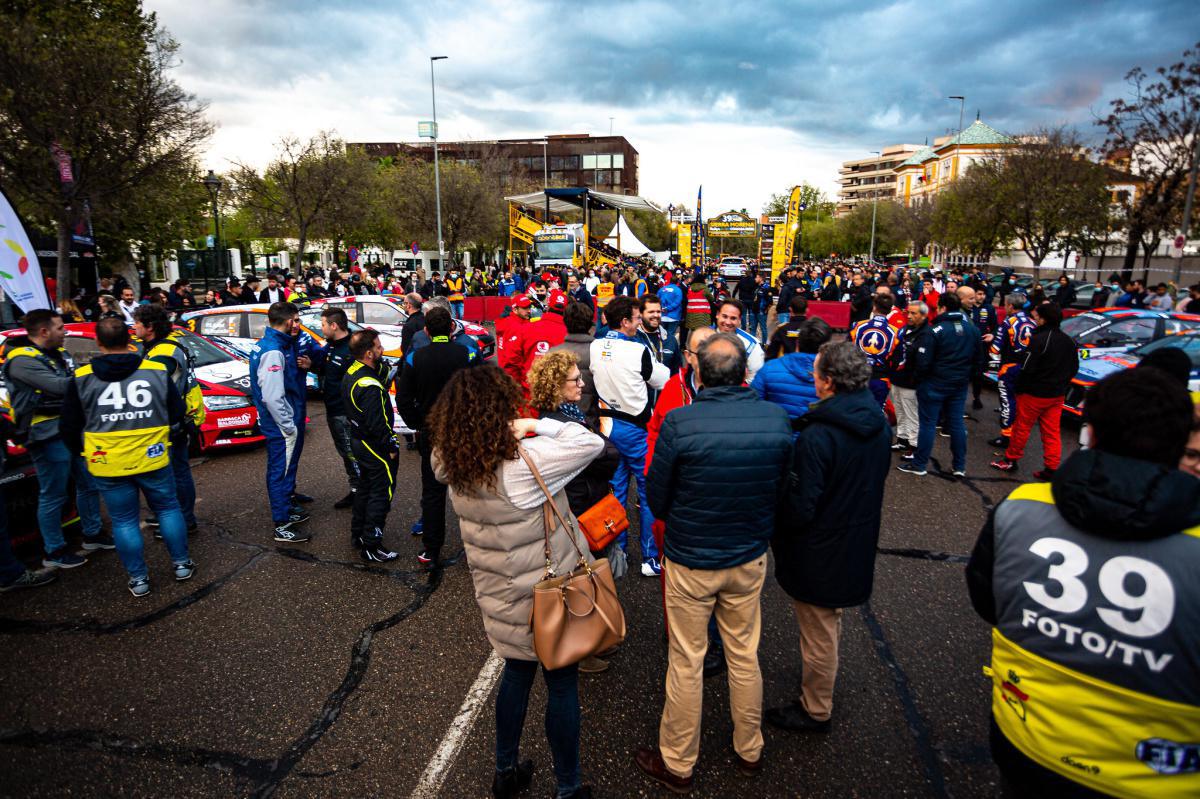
{"points": [[231, 374], [1093, 370]]}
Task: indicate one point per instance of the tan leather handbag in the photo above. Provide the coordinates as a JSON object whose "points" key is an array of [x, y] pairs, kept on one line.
{"points": [[576, 614]]}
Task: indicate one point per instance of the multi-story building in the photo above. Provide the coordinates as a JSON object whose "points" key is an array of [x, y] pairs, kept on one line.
{"points": [[871, 178], [604, 163], [931, 168]]}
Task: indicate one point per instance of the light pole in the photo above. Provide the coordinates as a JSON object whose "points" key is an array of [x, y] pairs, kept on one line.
{"points": [[874, 209], [958, 139], [437, 179], [213, 184]]}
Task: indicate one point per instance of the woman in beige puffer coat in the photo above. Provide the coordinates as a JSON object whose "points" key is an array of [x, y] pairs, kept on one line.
{"points": [[475, 433]]}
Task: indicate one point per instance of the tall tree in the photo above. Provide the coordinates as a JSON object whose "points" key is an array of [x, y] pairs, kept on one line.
{"points": [[914, 223], [1154, 131], [1047, 190], [86, 83], [966, 218], [298, 189]]}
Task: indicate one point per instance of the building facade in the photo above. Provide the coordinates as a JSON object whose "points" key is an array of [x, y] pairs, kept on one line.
{"points": [[872, 178], [603, 163], [931, 168]]}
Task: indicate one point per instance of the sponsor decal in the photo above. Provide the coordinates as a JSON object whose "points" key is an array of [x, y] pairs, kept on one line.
{"points": [[99, 456], [275, 368], [155, 451], [1013, 696], [1074, 762], [542, 347], [1169, 757], [233, 421]]}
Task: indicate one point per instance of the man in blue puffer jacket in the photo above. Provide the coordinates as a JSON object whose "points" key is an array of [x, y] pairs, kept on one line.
{"points": [[788, 381], [714, 481], [277, 386]]}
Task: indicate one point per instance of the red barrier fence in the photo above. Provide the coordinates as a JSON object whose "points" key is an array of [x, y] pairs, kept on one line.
{"points": [[484, 309], [837, 314]]}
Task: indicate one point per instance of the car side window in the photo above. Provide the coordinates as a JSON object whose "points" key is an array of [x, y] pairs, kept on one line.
{"points": [[1178, 325], [225, 324], [256, 325], [1130, 331], [381, 313]]}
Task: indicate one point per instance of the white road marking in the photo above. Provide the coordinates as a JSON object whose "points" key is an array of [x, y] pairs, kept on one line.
{"points": [[430, 784]]}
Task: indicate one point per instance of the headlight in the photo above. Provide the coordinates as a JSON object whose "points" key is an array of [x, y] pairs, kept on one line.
{"points": [[225, 402]]}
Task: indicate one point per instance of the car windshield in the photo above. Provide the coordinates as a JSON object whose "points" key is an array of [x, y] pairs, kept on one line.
{"points": [[558, 250], [1189, 344], [311, 319], [1082, 324], [203, 353]]}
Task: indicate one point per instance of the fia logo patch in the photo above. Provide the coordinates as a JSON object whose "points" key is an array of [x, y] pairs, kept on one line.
{"points": [[155, 451]]}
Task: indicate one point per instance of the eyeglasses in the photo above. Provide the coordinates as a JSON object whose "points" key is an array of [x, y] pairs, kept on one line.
{"points": [[576, 380]]}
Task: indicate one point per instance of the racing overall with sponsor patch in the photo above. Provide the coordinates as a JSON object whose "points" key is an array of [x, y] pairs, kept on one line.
{"points": [[1018, 330], [1096, 650]]}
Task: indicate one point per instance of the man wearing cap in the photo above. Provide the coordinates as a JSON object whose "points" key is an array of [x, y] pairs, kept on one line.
{"points": [[536, 338], [249, 291], [508, 330]]}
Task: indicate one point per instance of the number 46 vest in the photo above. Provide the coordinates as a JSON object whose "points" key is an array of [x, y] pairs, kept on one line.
{"points": [[128, 425], [1096, 650]]}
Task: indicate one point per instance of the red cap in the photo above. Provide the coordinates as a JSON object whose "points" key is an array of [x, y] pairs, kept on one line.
{"points": [[549, 276], [521, 301], [557, 301]]}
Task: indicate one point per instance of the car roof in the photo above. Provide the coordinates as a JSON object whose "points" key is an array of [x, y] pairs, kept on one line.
{"points": [[84, 329]]}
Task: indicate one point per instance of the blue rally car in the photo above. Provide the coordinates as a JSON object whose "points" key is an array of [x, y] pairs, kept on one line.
{"points": [[1093, 370]]}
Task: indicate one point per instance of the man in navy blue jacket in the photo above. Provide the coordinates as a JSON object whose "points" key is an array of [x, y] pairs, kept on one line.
{"points": [[717, 471], [944, 359]]}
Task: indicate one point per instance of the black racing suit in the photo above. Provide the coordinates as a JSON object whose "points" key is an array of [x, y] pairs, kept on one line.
{"points": [[369, 411]]}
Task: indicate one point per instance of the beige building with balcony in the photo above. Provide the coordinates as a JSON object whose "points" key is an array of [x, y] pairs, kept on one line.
{"points": [[871, 178], [931, 169]]}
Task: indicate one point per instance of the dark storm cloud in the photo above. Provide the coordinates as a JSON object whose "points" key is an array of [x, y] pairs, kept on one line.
{"points": [[862, 73]]}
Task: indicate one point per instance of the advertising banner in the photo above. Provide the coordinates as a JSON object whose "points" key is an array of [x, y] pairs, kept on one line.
{"points": [[20, 274], [732, 224], [766, 241], [785, 237], [684, 246]]}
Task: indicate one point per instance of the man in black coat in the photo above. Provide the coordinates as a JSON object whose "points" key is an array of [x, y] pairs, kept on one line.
{"points": [[829, 522], [426, 372], [1051, 361], [718, 466]]}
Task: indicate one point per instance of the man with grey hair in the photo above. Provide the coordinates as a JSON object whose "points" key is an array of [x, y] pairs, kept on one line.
{"points": [[829, 523], [458, 333], [714, 482], [902, 374]]}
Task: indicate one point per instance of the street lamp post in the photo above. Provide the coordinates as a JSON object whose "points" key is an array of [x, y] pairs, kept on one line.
{"points": [[437, 179], [874, 209], [213, 184]]}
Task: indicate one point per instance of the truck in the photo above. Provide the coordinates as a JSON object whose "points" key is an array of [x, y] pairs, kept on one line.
{"points": [[566, 245]]}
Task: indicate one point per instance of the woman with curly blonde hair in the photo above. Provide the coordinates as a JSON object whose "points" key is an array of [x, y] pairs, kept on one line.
{"points": [[476, 435]]}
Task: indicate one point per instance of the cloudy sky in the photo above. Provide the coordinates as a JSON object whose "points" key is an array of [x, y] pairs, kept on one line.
{"points": [[746, 98]]}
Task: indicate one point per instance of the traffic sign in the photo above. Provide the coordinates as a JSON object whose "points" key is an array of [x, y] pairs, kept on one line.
{"points": [[211, 241], [1177, 246], [416, 248], [427, 129]]}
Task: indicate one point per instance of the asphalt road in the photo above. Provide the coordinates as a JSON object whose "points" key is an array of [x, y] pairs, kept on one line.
{"points": [[301, 671]]}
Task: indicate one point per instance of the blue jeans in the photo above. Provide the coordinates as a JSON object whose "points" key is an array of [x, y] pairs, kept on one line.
{"points": [[121, 496], [630, 441], [759, 326], [932, 402], [782, 318], [55, 467], [181, 467], [10, 567], [562, 718], [456, 309], [670, 328]]}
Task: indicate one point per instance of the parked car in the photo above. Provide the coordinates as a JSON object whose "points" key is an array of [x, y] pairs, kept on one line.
{"points": [[732, 267], [230, 417], [1096, 369], [386, 314], [241, 326], [1116, 330]]}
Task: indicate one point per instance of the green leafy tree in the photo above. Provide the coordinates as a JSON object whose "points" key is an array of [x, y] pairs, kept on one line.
{"points": [[90, 79], [966, 218], [1048, 191]]}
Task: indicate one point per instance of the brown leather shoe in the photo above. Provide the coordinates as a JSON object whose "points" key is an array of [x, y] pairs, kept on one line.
{"points": [[747, 768], [650, 761]]}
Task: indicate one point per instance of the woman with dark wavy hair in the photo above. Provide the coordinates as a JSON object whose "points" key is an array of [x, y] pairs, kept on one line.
{"points": [[475, 434]]}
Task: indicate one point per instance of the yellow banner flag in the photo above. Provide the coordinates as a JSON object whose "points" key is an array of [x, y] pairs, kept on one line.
{"points": [[785, 237], [685, 246]]}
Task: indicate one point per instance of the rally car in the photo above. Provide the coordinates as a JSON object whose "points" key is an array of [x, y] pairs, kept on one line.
{"points": [[1116, 330], [1094, 370], [386, 314], [241, 326], [230, 417]]}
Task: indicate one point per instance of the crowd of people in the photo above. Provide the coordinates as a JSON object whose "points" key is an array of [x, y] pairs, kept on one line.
{"points": [[736, 439]]}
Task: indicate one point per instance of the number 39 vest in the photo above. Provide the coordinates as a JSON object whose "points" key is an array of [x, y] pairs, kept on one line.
{"points": [[1096, 651], [128, 425]]}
